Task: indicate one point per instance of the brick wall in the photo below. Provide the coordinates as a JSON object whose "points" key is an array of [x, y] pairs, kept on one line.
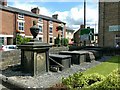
{"points": [[45, 31], [28, 24], [8, 23]]}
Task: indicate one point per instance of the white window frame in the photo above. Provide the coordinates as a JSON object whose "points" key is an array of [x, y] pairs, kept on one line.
{"points": [[51, 22], [41, 26], [52, 40], [40, 20], [21, 26], [40, 36], [41, 39], [20, 16], [52, 29]]}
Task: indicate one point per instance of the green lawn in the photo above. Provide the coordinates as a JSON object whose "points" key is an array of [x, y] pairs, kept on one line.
{"points": [[105, 68]]}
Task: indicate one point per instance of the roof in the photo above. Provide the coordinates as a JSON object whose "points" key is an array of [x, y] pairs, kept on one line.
{"points": [[69, 29], [16, 10]]}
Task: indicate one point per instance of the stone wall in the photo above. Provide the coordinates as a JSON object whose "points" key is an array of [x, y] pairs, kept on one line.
{"points": [[13, 57], [108, 16], [8, 58]]}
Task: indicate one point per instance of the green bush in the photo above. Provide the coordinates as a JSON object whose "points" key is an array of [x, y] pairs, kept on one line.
{"points": [[64, 41], [22, 40], [59, 42], [73, 81], [112, 81], [78, 80]]}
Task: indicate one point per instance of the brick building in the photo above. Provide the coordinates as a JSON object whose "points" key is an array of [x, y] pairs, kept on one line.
{"points": [[109, 24], [13, 20]]}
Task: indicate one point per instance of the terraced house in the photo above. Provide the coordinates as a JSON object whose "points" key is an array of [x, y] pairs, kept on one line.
{"points": [[13, 20]]}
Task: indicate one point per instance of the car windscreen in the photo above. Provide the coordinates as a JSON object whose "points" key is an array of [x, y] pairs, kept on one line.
{"points": [[11, 47]]}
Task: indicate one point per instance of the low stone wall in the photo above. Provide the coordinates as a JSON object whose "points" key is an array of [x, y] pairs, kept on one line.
{"points": [[13, 57], [56, 50], [8, 58]]}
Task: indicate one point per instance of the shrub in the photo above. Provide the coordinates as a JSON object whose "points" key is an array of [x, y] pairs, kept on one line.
{"points": [[78, 80], [22, 40], [93, 81], [64, 41], [59, 42], [112, 81], [73, 81], [92, 78]]}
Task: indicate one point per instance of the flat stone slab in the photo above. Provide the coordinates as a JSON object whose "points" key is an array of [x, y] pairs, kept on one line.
{"points": [[59, 56], [61, 61], [89, 55]]}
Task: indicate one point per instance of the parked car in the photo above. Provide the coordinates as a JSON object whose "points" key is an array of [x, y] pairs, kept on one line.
{"points": [[8, 47]]}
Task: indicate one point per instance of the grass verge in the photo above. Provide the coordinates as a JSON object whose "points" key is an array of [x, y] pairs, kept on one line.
{"points": [[105, 68]]}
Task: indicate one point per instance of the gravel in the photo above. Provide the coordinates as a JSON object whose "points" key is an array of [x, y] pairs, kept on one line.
{"points": [[49, 79]]}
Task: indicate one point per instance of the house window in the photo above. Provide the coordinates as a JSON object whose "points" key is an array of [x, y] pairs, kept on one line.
{"points": [[50, 22], [21, 26], [50, 29], [1, 40], [50, 39], [40, 20], [40, 27], [40, 39], [21, 16]]}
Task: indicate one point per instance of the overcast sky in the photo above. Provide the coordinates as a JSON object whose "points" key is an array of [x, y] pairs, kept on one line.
{"points": [[69, 11]]}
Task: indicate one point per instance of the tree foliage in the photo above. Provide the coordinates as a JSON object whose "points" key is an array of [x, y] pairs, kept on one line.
{"points": [[22, 40]]}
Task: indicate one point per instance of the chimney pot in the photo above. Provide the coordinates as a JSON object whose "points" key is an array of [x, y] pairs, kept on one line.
{"points": [[3, 2], [35, 10], [55, 16]]}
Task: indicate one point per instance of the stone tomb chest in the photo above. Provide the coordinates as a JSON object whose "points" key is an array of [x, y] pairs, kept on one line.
{"points": [[34, 57], [77, 57], [62, 61]]}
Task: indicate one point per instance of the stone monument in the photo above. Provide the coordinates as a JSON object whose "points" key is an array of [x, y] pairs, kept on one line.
{"points": [[34, 54]]}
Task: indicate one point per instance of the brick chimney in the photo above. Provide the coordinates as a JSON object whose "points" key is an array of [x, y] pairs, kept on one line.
{"points": [[81, 26], [35, 10], [55, 16], [3, 2]]}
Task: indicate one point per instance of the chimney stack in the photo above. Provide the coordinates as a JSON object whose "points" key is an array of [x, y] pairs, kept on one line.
{"points": [[3, 2], [35, 10], [55, 16], [81, 26]]}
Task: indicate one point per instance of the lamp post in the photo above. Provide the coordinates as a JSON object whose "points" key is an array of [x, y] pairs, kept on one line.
{"points": [[84, 13]]}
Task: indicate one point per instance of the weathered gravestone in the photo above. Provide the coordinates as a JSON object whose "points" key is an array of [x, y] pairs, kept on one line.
{"points": [[34, 55]]}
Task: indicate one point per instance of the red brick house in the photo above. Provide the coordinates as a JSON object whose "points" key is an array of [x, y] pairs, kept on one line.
{"points": [[13, 20]]}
